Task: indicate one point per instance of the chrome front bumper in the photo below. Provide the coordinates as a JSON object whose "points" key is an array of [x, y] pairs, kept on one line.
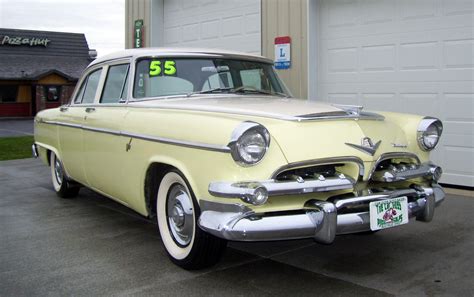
{"points": [[318, 219]]}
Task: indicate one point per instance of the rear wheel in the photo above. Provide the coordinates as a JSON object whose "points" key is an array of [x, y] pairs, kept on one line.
{"points": [[62, 186], [177, 212]]}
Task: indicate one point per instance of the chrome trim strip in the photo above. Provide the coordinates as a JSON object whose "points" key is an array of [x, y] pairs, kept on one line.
{"points": [[276, 188], [323, 161], [189, 144], [278, 116]]}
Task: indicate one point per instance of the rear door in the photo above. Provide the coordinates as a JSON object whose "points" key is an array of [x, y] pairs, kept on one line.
{"points": [[70, 130]]}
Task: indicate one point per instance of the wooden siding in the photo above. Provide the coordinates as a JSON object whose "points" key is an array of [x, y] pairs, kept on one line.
{"points": [[135, 10], [282, 18]]}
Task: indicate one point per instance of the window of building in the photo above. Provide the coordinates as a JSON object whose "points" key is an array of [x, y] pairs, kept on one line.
{"points": [[114, 84], [52, 93], [8, 93]]}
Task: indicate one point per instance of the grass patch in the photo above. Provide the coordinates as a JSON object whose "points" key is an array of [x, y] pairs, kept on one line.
{"points": [[12, 148]]}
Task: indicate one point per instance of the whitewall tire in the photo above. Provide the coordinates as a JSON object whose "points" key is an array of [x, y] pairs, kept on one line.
{"points": [[62, 186], [177, 213]]}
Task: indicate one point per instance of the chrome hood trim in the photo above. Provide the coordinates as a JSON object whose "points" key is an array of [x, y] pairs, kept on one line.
{"points": [[261, 106]]}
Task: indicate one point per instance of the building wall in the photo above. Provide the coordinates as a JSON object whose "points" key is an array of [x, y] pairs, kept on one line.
{"points": [[136, 10], [52, 79], [24, 94], [279, 18], [288, 18]]}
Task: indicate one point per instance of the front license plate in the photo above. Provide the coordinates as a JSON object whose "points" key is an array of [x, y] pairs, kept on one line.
{"points": [[388, 213]]}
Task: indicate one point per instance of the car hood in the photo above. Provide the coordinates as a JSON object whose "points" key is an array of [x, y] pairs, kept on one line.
{"points": [[303, 130], [269, 107]]}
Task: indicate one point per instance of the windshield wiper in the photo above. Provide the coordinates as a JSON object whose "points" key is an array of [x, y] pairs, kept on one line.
{"points": [[247, 89], [215, 90]]}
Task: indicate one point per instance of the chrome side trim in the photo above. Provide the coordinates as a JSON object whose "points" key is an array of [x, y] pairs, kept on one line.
{"points": [[276, 188], [323, 161], [183, 143], [101, 130]]}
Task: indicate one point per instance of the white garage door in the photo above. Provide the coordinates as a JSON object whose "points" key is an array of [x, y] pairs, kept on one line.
{"points": [[224, 24], [414, 56]]}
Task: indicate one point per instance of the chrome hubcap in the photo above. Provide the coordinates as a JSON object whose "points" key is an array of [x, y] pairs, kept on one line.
{"points": [[58, 171], [180, 215]]}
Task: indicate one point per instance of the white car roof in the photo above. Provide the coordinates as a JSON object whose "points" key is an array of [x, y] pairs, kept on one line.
{"points": [[178, 52]]}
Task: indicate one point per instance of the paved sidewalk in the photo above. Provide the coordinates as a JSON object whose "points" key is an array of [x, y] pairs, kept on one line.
{"points": [[92, 246], [18, 127]]}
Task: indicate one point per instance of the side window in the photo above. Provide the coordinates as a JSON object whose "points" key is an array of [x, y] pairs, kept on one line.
{"points": [[114, 84], [90, 88], [125, 89], [80, 93], [218, 80]]}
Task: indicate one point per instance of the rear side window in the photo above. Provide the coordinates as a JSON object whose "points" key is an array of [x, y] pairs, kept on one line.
{"points": [[88, 88], [115, 83]]}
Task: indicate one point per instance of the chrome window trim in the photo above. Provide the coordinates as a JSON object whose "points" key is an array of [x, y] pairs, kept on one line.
{"points": [[323, 161], [183, 143], [107, 68]]}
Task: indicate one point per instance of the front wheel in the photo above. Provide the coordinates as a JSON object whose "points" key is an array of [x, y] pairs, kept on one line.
{"points": [[177, 212], [62, 186]]}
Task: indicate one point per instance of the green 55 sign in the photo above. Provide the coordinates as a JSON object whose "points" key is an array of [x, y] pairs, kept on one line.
{"points": [[138, 33]]}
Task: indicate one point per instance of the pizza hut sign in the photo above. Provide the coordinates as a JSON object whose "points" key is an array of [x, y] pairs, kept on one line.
{"points": [[29, 41]]}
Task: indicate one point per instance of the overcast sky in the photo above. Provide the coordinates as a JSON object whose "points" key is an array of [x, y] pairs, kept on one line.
{"points": [[102, 21]]}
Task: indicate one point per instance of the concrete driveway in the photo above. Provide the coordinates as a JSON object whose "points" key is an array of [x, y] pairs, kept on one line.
{"points": [[21, 127], [94, 246]]}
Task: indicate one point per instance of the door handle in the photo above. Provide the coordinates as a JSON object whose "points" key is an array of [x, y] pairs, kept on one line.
{"points": [[90, 109], [63, 109]]}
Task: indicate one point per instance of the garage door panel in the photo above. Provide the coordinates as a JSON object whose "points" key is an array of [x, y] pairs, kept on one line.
{"points": [[408, 56], [428, 103], [419, 56], [232, 25], [464, 110]]}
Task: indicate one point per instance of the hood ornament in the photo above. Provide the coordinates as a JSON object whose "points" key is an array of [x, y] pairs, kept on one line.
{"points": [[367, 146]]}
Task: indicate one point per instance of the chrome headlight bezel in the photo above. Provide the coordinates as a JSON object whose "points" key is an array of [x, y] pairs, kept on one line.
{"points": [[241, 133], [427, 126]]}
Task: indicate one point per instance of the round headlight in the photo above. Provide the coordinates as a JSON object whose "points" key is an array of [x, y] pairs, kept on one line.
{"points": [[429, 132], [249, 143]]}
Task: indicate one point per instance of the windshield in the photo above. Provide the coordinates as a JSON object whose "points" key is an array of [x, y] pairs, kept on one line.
{"points": [[155, 77]]}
